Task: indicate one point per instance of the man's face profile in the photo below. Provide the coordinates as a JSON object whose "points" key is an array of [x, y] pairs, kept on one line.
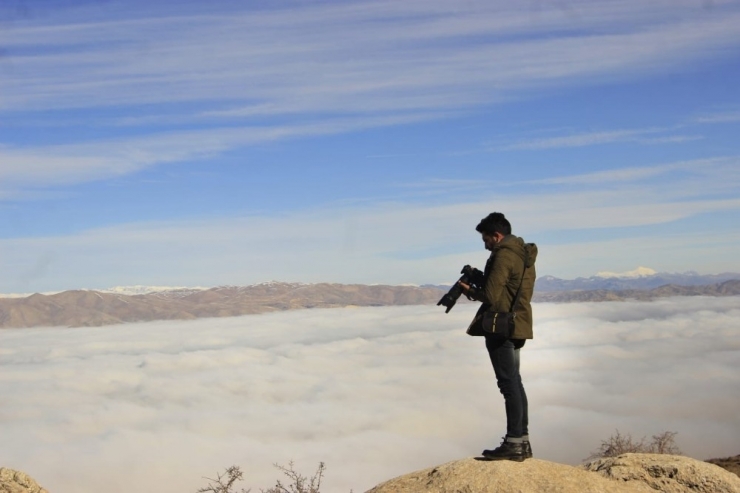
{"points": [[491, 240]]}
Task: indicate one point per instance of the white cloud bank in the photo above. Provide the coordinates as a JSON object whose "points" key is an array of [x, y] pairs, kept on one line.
{"points": [[373, 392]]}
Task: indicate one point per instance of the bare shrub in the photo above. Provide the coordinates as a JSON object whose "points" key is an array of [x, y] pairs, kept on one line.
{"points": [[298, 483], [618, 444], [664, 443], [224, 482]]}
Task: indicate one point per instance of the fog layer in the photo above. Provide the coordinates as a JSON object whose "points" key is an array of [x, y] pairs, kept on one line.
{"points": [[373, 392]]}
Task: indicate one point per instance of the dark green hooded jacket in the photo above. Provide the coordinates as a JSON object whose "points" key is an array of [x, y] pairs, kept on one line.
{"points": [[502, 277]]}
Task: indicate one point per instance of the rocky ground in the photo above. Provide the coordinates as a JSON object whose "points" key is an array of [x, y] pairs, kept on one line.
{"points": [[628, 473], [732, 464], [17, 482], [635, 473]]}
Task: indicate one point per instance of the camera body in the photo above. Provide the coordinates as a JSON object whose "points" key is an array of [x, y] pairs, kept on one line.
{"points": [[470, 276]]}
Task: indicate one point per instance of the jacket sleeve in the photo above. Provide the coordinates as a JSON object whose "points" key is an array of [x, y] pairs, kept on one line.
{"points": [[501, 272], [477, 295]]}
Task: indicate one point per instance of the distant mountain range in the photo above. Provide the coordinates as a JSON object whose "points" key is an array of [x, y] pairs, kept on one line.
{"points": [[727, 288], [94, 308], [641, 278], [139, 303]]}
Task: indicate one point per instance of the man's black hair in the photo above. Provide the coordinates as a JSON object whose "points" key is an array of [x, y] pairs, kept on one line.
{"points": [[494, 223]]}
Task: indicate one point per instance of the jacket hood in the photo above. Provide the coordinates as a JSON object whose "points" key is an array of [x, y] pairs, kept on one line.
{"points": [[525, 251]]}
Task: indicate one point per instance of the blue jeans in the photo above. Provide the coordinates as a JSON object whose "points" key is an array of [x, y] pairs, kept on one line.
{"points": [[504, 354]]}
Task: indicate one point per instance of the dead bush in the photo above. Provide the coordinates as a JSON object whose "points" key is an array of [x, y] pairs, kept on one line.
{"points": [[297, 482], [618, 444], [224, 482]]}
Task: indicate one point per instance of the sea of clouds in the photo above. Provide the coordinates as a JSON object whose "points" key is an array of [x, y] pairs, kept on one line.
{"points": [[372, 392]]}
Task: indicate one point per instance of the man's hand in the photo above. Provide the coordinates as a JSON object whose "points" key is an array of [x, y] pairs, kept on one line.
{"points": [[466, 287]]}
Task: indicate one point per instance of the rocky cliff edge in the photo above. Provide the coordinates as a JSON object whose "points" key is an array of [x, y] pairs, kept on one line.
{"points": [[628, 473], [17, 482]]}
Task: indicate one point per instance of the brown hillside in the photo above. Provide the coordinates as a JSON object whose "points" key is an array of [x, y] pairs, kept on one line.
{"points": [[91, 308], [731, 464]]}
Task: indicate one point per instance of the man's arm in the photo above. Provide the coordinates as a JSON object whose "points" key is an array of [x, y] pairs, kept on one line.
{"points": [[501, 270], [503, 265], [473, 293], [472, 285]]}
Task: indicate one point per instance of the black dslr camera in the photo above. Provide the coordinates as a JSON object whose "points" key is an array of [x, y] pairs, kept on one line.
{"points": [[470, 276]]}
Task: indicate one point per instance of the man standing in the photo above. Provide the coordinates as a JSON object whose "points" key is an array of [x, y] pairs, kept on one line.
{"points": [[510, 269]]}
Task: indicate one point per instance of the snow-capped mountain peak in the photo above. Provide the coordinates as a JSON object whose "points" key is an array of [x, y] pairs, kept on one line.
{"points": [[632, 274], [139, 289]]}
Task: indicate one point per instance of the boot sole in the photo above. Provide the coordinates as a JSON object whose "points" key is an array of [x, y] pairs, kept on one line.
{"points": [[514, 459]]}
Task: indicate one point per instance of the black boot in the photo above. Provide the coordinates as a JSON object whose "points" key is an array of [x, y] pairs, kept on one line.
{"points": [[506, 451], [527, 450]]}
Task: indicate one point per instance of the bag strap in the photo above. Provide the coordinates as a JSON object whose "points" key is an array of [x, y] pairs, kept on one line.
{"points": [[519, 289]]}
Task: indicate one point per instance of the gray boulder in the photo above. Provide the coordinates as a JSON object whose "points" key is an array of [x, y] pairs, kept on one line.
{"points": [[17, 482]]}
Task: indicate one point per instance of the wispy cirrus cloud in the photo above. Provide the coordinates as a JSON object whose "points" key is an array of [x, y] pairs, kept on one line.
{"points": [[360, 56], [76, 163], [586, 139], [133, 87], [727, 117], [360, 61], [399, 242], [711, 166], [671, 139], [578, 140]]}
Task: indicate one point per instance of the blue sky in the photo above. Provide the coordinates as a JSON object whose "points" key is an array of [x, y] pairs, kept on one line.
{"points": [[172, 143]]}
